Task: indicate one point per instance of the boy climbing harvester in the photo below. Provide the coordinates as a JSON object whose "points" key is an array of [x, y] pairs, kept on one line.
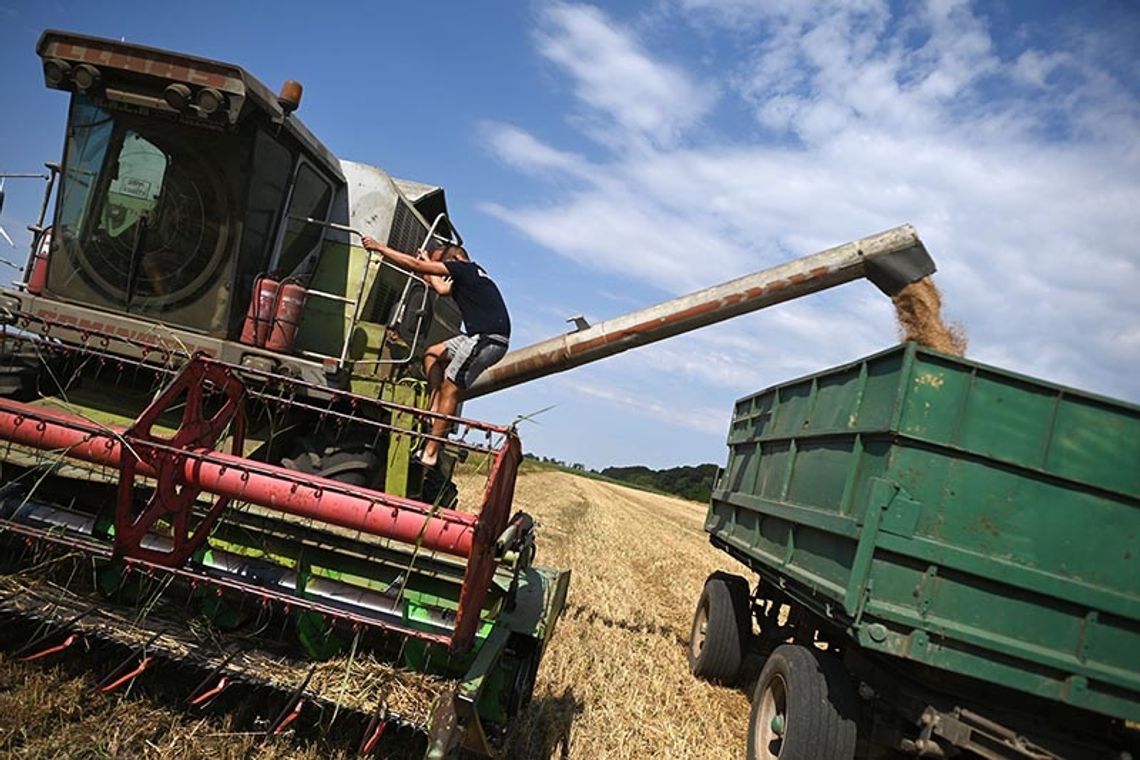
{"points": [[451, 366]]}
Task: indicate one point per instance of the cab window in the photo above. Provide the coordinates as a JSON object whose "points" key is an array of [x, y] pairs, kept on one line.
{"points": [[312, 196]]}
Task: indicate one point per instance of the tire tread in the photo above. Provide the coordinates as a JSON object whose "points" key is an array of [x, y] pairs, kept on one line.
{"points": [[729, 626], [820, 722]]}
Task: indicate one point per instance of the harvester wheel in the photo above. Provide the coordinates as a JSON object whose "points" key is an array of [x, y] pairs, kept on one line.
{"points": [[722, 628], [20, 370], [351, 467], [352, 464], [802, 709], [527, 653]]}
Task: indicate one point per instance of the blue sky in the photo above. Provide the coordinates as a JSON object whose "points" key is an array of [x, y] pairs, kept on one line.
{"points": [[601, 158]]}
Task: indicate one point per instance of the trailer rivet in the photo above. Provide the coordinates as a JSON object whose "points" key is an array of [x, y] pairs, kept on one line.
{"points": [[877, 632]]}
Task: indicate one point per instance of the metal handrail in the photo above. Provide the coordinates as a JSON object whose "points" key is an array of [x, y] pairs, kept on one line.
{"points": [[356, 303], [402, 304], [355, 319]]}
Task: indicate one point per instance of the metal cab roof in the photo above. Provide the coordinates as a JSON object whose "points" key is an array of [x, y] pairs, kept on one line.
{"points": [[140, 73]]}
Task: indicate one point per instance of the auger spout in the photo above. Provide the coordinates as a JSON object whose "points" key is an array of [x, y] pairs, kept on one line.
{"points": [[891, 260]]}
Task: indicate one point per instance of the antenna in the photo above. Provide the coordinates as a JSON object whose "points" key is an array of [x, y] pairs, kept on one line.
{"points": [[3, 232]]}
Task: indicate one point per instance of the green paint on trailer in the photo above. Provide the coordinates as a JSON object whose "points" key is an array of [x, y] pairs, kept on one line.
{"points": [[950, 513]]}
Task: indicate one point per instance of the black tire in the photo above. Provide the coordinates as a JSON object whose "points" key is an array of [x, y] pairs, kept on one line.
{"points": [[525, 652], [351, 464], [813, 698], [20, 372], [354, 467], [438, 489], [721, 630]]}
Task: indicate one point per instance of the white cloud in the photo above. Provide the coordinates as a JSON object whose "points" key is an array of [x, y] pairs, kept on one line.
{"points": [[1020, 172], [1034, 67], [646, 97], [525, 152]]}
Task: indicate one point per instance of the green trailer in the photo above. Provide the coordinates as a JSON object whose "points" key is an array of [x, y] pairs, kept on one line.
{"points": [[946, 565]]}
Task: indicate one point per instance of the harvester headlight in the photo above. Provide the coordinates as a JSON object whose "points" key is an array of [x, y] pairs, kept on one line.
{"points": [[85, 77], [177, 96], [55, 71], [209, 101]]}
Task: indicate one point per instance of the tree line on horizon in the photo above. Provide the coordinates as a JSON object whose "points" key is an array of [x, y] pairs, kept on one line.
{"points": [[693, 482]]}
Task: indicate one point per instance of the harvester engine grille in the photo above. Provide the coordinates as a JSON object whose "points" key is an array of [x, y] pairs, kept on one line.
{"points": [[407, 234]]}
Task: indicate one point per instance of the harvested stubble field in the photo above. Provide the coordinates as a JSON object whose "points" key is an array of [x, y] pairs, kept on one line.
{"points": [[614, 682]]}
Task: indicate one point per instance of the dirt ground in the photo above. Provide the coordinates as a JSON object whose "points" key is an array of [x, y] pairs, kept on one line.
{"points": [[614, 682]]}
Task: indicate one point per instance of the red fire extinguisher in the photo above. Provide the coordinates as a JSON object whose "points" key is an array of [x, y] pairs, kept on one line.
{"points": [[37, 278], [286, 317], [259, 317]]}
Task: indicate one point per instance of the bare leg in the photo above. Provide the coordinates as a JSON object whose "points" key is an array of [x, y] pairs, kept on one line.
{"points": [[448, 398], [433, 371]]}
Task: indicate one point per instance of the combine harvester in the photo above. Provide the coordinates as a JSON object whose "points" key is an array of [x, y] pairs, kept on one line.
{"points": [[209, 398]]}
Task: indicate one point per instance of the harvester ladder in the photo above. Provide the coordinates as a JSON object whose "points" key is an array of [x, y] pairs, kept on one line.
{"points": [[355, 302]]}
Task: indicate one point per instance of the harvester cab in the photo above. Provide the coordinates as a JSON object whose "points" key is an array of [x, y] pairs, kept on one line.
{"points": [[209, 396], [190, 197]]}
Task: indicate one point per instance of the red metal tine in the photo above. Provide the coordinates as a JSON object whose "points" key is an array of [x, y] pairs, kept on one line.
{"points": [[138, 671], [28, 647], [206, 696], [375, 730], [292, 716], [52, 650], [200, 695], [117, 677], [292, 707]]}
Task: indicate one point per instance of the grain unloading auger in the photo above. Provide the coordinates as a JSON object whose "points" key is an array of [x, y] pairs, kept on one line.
{"points": [[209, 396], [891, 260]]}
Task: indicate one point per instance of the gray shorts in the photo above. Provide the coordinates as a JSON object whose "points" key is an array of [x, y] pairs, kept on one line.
{"points": [[470, 355]]}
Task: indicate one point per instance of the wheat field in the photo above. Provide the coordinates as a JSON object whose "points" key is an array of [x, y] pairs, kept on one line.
{"points": [[614, 682]]}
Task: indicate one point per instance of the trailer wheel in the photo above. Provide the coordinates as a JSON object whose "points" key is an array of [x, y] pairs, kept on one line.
{"points": [[802, 709], [721, 629]]}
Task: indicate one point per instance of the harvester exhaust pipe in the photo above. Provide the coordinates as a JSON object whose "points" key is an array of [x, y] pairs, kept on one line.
{"points": [[891, 260]]}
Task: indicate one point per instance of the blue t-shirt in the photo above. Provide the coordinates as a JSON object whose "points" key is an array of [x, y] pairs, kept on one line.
{"points": [[478, 299]]}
